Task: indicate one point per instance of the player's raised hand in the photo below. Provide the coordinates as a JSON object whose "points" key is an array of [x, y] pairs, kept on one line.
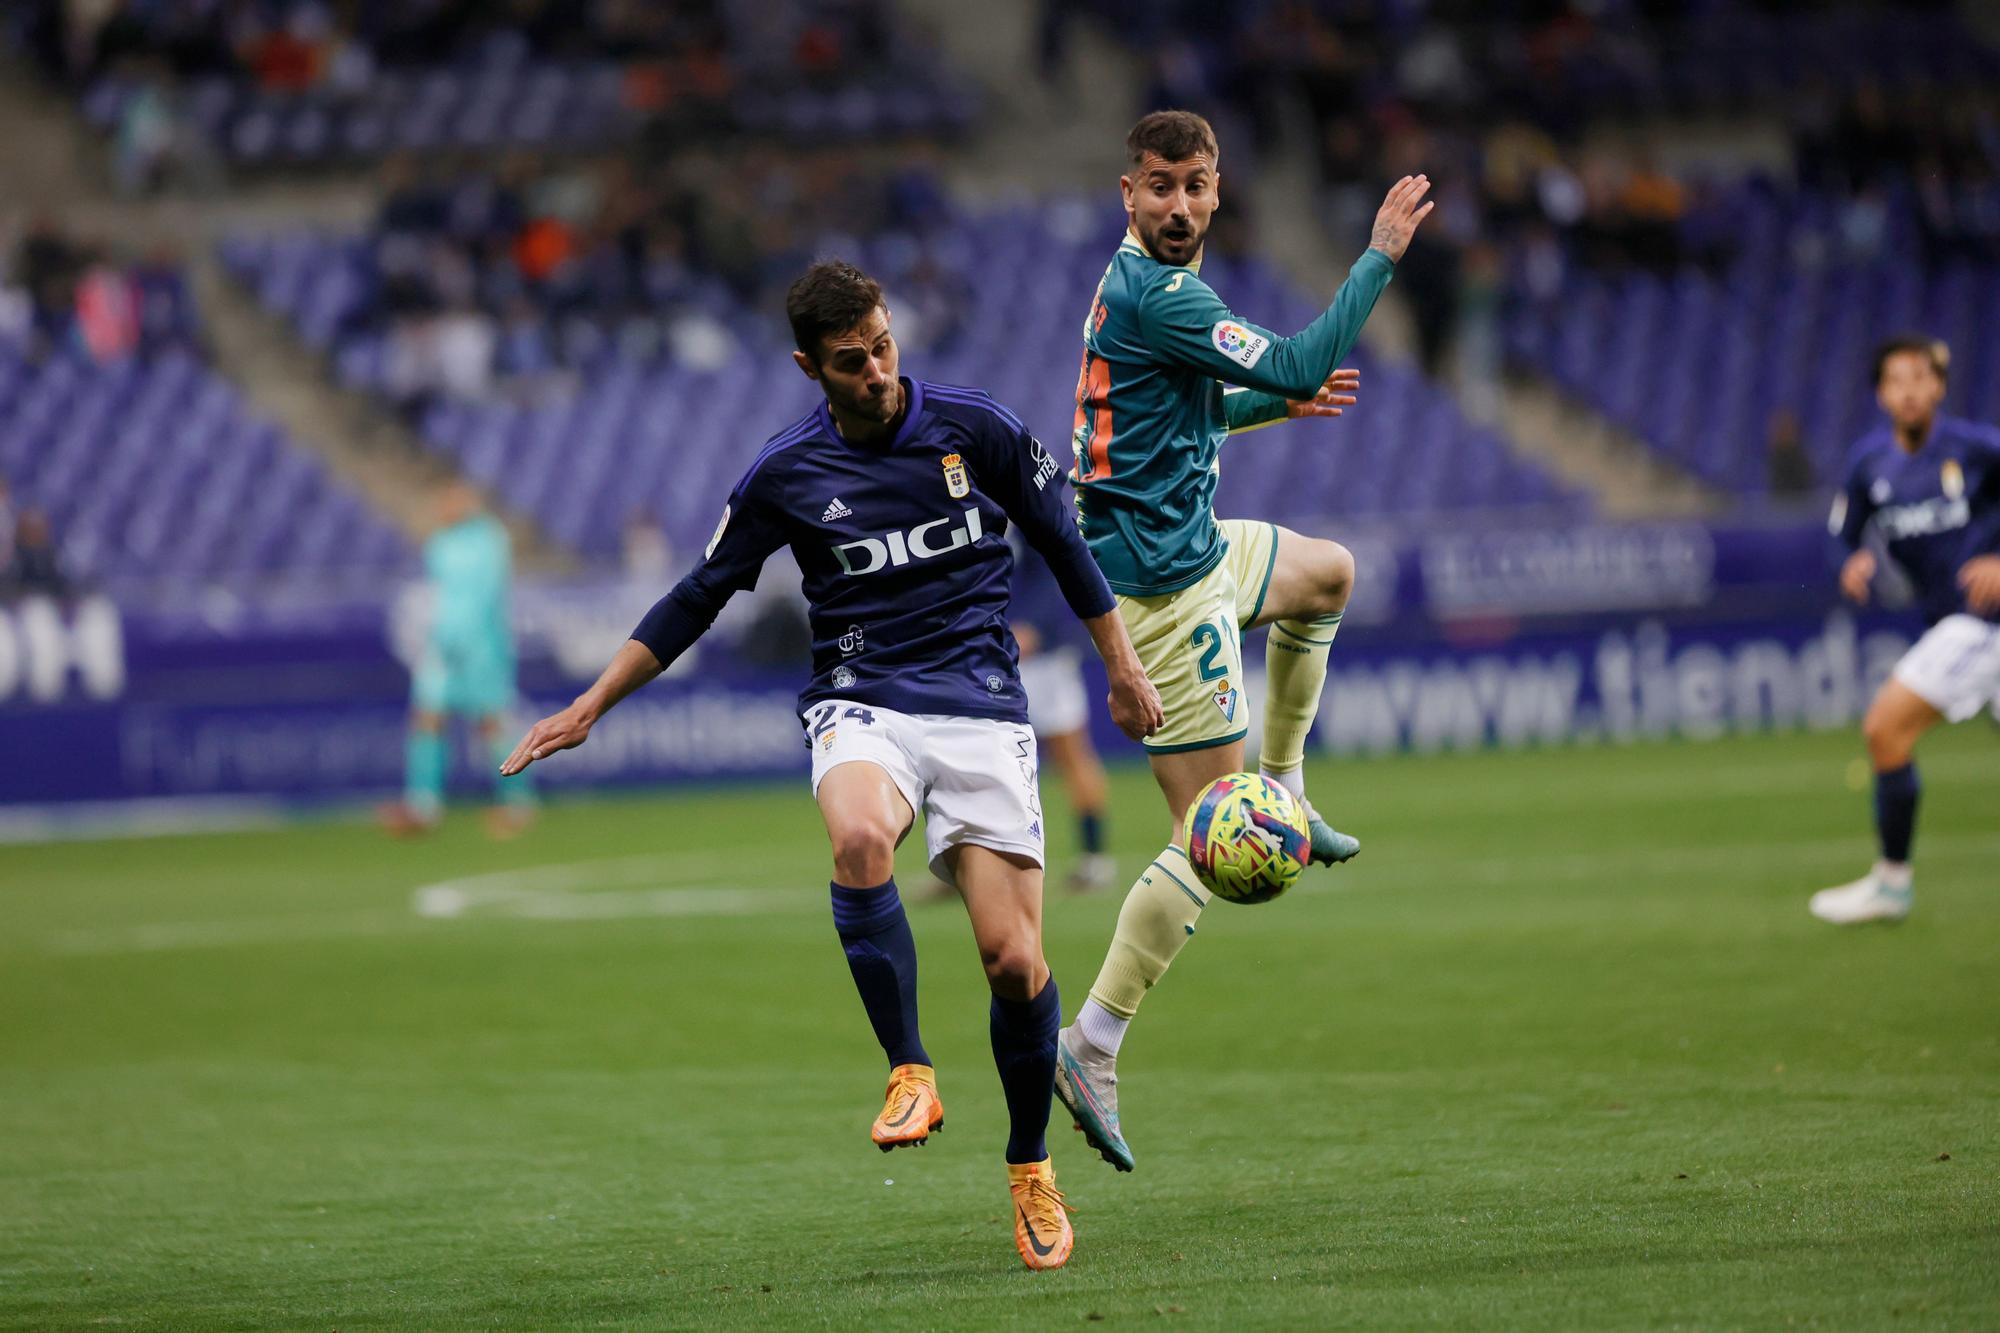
{"points": [[1980, 577], [1338, 392], [1396, 221], [558, 731], [1135, 704], [1855, 576]]}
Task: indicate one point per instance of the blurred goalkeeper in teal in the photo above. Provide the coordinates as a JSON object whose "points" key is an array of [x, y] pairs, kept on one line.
{"points": [[465, 667]]}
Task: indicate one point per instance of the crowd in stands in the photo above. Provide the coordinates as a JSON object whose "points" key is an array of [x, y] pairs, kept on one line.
{"points": [[183, 86], [521, 278], [128, 462], [1885, 106], [58, 289]]}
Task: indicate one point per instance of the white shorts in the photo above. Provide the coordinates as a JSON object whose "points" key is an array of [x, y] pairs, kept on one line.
{"points": [[1057, 702], [1955, 667], [973, 778]]}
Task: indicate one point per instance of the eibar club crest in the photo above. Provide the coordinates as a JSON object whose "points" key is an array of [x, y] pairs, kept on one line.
{"points": [[1225, 699], [955, 479], [1952, 478]]}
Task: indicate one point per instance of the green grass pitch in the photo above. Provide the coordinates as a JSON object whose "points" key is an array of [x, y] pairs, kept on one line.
{"points": [[1562, 1049]]}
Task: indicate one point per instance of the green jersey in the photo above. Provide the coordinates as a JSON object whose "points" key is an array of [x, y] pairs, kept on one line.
{"points": [[469, 567], [1168, 371]]}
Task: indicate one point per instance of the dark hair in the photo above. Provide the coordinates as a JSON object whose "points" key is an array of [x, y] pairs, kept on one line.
{"points": [[1174, 135], [1932, 349], [833, 296]]}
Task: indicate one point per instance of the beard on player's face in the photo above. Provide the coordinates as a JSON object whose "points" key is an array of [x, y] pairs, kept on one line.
{"points": [[1172, 204], [1911, 395], [859, 371], [1174, 238], [857, 396]]}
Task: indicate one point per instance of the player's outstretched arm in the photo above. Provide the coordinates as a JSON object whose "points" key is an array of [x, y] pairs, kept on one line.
{"points": [[632, 667], [1856, 573], [1400, 216], [1980, 578], [1135, 703], [743, 539], [1250, 409], [1185, 323], [1338, 392]]}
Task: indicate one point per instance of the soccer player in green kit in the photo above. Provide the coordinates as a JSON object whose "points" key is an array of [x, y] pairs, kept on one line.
{"points": [[1168, 373], [466, 666]]}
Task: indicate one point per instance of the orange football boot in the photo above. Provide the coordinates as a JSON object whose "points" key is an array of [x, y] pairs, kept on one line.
{"points": [[911, 1110], [1041, 1219]]}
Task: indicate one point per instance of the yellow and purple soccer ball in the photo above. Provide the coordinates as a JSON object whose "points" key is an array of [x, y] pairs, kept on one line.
{"points": [[1247, 838]]}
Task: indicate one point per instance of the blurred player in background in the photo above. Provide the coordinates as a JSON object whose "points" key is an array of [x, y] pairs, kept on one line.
{"points": [[466, 667], [894, 496], [1059, 710], [1168, 374], [1929, 486]]}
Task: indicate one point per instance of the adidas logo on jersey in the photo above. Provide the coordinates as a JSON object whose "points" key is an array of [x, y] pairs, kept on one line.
{"points": [[836, 510]]}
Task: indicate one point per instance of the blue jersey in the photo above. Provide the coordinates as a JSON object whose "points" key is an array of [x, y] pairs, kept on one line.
{"points": [[1934, 509], [902, 545]]}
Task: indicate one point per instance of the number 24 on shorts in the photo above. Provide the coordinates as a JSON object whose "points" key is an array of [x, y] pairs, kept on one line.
{"points": [[822, 719]]}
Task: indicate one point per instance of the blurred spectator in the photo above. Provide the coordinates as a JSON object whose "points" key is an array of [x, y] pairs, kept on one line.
{"points": [[519, 278], [36, 569], [1491, 100], [648, 557], [268, 81], [7, 518], [1788, 466], [107, 312], [1476, 340], [69, 292], [47, 266]]}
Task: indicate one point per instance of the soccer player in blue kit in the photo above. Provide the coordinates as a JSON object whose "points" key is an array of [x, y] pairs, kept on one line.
{"points": [[894, 496], [1929, 484]]}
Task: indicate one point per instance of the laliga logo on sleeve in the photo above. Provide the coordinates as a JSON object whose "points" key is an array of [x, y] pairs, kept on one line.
{"points": [[1242, 345], [955, 480], [716, 540]]}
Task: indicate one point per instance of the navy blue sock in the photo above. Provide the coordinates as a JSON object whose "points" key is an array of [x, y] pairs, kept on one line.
{"points": [[882, 955], [1090, 832], [1896, 811], [1024, 1051]]}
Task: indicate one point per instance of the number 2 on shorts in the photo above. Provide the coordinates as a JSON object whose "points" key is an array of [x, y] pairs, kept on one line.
{"points": [[1211, 636]]}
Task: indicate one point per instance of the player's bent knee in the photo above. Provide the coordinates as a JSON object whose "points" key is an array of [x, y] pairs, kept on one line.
{"points": [[1890, 735], [864, 852], [1338, 577], [1332, 578], [1012, 968]]}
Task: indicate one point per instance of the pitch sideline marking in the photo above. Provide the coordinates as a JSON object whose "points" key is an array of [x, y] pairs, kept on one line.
{"points": [[535, 893], [548, 893]]}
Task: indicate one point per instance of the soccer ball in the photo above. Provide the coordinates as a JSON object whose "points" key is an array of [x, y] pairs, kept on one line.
{"points": [[1247, 838]]}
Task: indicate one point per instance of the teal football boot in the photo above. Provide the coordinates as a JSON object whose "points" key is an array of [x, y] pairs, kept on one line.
{"points": [[1087, 1084], [1329, 845]]}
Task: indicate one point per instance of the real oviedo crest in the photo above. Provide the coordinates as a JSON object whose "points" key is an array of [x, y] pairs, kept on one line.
{"points": [[955, 479]]}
